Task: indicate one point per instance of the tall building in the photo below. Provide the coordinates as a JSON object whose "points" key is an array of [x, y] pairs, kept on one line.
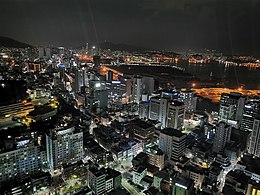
{"points": [[63, 146], [25, 160], [254, 143], [158, 110], [187, 97], [250, 111], [231, 108], [175, 114], [144, 109], [222, 137], [173, 143]]}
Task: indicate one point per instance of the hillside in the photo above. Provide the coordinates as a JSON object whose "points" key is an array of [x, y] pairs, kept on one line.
{"points": [[8, 42]]}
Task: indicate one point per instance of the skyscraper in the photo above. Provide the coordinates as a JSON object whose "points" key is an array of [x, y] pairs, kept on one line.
{"points": [[250, 111], [63, 146], [222, 137], [254, 143], [187, 97], [172, 142], [175, 114], [231, 108]]}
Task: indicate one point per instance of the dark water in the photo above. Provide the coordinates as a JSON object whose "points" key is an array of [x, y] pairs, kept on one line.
{"points": [[231, 76]]}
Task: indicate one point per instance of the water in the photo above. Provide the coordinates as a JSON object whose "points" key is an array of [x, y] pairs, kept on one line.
{"points": [[232, 76]]}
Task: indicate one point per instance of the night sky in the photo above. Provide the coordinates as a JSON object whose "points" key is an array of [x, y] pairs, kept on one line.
{"points": [[231, 26]]}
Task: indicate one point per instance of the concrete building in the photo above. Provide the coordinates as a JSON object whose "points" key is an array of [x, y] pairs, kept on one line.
{"points": [[25, 160], [222, 137], [187, 97], [142, 131], [251, 109], [175, 114], [173, 143], [97, 181], [138, 174], [254, 143], [144, 109], [182, 186], [155, 157], [63, 146], [231, 108], [158, 110]]}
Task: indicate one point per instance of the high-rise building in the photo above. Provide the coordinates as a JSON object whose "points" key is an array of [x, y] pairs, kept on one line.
{"points": [[144, 109], [158, 110], [189, 100], [254, 143], [137, 89], [250, 111], [25, 160], [222, 137], [173, 143], [231, 108], [175, 114], [63, 146]]}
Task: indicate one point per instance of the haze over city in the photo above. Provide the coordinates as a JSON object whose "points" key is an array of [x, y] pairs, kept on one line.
{"points": [[225, 25]]}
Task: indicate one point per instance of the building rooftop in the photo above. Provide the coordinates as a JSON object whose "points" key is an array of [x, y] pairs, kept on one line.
{"points": [[142, 124], [139, 169], [172, 132], [176, 103], [183, 182]]}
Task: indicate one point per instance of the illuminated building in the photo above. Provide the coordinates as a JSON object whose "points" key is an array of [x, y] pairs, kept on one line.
{"points": [[254, 143], [25, 160], [253, 188], [142, 131], [250, 111], [222, 137], [63, 146], [175, 114], [231, 108], [33, 67], [155, 157], [187, 97], [138, 174], [144, 109], [182, 186], [14, 110], [173, 143], [158, 109]]}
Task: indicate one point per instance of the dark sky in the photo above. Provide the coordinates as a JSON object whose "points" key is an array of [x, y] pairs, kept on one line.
{"points": [[231, 26]]}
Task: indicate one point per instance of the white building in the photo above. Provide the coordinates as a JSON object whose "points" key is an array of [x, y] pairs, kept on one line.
{"points": [[25, 160], [231, 108], [254, 143], [158, 110], [187, 97], [64, 146], [175, 114], [173, 143], [138, 174]]}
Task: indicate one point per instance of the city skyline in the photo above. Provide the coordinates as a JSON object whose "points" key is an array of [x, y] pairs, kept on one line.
{"points": [[226, 26]]}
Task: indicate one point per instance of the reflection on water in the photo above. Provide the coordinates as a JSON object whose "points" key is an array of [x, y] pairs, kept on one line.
{"points": [[232, 76]]}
